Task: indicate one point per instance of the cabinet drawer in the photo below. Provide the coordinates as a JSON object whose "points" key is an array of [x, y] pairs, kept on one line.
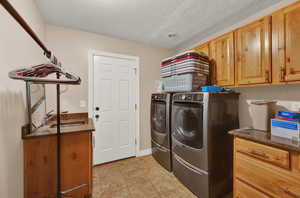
{"points": [[243, 190], [274, 181], [269, 154]]}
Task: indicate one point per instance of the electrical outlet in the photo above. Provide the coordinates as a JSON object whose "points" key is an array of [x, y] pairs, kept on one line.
{"points": [[296, 106], [82, 103]]}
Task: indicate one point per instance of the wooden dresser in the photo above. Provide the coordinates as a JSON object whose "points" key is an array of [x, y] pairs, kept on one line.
{"points": [[265, 166]]}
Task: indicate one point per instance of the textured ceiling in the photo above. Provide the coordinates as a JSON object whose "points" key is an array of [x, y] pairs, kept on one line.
{"points": [[150, 21]]}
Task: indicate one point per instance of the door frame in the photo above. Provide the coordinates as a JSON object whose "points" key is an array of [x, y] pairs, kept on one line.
{"points": [[136, 82]]}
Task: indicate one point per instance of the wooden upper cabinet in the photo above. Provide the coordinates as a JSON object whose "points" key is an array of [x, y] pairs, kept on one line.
{"points": [[222, 55], [286, 44], [253, 58], [203, 48]]}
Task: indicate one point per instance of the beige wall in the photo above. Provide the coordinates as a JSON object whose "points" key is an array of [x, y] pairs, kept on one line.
{"points": [[287, 97], [71, 47], [16, 50]]}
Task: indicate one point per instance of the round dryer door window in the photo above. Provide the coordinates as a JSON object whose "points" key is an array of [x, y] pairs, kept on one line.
{"points": [[158, 117], [187, 124]]}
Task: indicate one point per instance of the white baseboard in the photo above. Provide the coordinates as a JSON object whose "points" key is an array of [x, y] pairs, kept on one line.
{"points": [[144, 152]]}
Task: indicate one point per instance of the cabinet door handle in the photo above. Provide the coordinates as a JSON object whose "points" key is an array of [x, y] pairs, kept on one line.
{"points": [[267, 76], [282, 74], [259, 153], [289, 192]]}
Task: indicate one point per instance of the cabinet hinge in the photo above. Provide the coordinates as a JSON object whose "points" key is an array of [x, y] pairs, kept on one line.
{"points": [[282, 74], [267, 76]]}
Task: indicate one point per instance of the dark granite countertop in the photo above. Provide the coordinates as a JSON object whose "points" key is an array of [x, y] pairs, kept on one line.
{"points": [[72, 123], [266, 138]]}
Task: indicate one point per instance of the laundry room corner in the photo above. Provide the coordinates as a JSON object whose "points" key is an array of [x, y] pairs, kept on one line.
{"points": [[150, 99]]}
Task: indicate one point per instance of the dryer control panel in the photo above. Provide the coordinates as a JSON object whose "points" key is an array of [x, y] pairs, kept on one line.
{"points": [[188, 97]]}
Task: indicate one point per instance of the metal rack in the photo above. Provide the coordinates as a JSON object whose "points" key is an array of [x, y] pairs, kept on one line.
{"points": [[31, 108], [53, 67]]}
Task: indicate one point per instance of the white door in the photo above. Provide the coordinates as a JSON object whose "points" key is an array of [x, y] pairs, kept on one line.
{"points": [[114, 103]]}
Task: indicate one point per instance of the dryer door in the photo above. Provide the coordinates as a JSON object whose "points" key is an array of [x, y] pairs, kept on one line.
{"points": [[187, 133], [159, 131], [187, 124]]}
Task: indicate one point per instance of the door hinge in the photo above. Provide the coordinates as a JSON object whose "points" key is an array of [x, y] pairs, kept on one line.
{"points": [[135, 70], [135, 141], [135, 107], [93, 141]]}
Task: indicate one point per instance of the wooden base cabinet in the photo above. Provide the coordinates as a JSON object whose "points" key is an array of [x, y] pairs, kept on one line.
{"points": [[222, 55], [40, 165], [243, 190], [263, 178]]}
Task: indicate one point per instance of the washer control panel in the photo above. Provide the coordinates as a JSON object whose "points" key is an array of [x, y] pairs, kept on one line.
{"points": [[158, 96]]}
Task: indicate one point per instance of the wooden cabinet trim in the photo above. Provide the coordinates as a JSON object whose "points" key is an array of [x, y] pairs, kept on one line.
{"points": [[203, 48]]}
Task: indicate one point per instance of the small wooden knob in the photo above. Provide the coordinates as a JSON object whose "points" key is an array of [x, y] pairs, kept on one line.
{"points": [[74, 156]]}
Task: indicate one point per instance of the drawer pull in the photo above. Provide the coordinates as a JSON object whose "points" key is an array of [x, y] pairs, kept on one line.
{"points": [[289, 192], [259, 153]]}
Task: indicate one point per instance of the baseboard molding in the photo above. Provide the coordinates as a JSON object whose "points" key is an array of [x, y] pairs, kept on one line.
{"points": [[144, 152]]}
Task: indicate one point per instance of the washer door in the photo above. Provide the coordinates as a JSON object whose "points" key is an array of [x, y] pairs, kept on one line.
{"points": [[187, 124], [159, 130]]}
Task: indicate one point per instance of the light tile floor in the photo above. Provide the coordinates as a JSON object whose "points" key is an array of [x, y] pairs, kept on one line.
{"points": [[137, 178]]}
